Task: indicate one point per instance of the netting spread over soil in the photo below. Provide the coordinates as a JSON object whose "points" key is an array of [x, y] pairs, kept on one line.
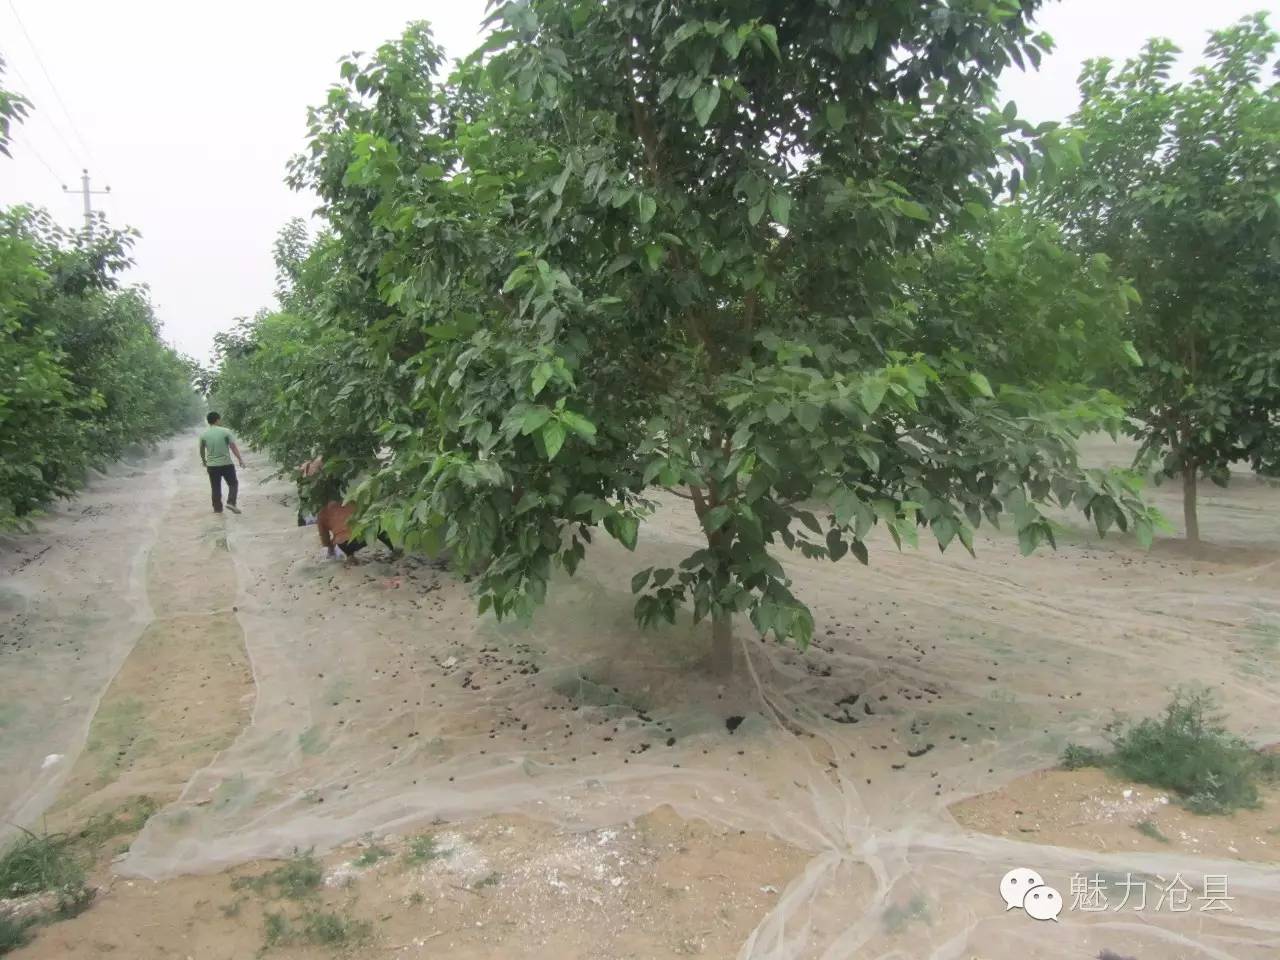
{"points": [[73, 602], [384, 703]]}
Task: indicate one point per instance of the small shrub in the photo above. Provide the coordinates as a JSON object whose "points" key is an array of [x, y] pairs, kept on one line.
{"points": [[1074, 757], [1187, 751]]}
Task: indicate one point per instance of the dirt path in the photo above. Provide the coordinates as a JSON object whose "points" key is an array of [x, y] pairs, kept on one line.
{"points": [[185, 690]]}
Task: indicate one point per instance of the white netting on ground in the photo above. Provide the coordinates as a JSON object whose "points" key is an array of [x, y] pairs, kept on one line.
{"points": [[73, 601], [383, 704]]}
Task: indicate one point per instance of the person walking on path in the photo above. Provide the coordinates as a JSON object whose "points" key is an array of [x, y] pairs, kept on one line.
{"points": [[217, 446]]}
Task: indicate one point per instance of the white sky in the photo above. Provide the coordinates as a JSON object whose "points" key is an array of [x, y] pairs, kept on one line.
{"points": [[190, 113]]}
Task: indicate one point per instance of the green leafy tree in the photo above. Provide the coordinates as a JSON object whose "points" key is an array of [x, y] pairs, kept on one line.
{"points": [[1180, 187], [83, 370], [1018, 302], [630, 251]]}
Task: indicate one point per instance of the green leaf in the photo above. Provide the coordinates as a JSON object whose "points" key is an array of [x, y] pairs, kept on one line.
{"points": [[909, 208], [859, 550], [553, 435], [756, 211], [1010, 111], [770, 35], [541, 374], [836, 114], [981, 384], [623, 528], [808, 416], [640, 579], [1131, 352], [871, 393], [646, 207], [578, 424], [704, 102], [732, 43], [558, 185], [780, 207], [716, 518], [534, 419]]}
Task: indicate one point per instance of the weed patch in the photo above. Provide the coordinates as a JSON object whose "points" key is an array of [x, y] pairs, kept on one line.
{"points": [[371, 855], [1186, 750], [322, 928], [422, 849], [299, 877], [40, 862]]}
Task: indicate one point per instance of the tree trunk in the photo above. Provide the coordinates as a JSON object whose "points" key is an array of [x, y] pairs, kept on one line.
{"points": [[1189, 502], [722, 644]]}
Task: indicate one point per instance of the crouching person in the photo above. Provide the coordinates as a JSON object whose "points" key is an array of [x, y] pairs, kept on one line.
{"points": [[334, 523]]}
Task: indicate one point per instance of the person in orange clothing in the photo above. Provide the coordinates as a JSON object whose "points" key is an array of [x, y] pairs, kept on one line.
{"points": [[334, 523]]}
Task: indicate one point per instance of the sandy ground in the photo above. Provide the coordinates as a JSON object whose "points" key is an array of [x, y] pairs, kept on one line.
{"points": [[944, 736], [1087, 808], [502, 887]]}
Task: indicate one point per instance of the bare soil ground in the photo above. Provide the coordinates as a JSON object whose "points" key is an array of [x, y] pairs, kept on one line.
{"points": [[1088, 809], [500, 887], [661, 885]]}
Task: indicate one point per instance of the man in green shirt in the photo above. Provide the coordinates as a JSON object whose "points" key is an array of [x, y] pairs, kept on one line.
{"points": [[217, 446]]}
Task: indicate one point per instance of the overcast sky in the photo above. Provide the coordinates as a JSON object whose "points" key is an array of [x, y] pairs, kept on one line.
{"points": [[190, 113]]}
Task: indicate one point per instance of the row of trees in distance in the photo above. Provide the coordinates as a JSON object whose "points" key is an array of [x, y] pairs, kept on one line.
{"points": [[84, 372]]}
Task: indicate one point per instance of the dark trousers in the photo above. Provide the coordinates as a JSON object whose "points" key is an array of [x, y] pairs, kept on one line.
{"points": [[351, 546], [216, 476]]}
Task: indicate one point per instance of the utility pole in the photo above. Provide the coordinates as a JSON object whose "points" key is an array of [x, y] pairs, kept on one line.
{"points": [[88, 203]]}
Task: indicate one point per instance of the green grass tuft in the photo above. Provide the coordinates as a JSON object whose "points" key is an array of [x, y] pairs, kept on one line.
{"points": [[1187, 751], [299, 877], [422, 849], [371, 855], [315, 928], [276, 929], [13, 934], [39, 862]]}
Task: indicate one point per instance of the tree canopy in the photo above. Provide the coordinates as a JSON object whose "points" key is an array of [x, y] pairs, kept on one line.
{"points": [[1180, 187], [630, 252]]}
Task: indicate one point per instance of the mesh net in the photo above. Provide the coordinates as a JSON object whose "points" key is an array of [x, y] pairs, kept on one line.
{"points": [[73, 601], [382, 703]]}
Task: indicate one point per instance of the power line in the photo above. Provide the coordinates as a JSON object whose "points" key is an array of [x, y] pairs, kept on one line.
{"points": [[44, 115], [52, 86], [44, 163]]}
